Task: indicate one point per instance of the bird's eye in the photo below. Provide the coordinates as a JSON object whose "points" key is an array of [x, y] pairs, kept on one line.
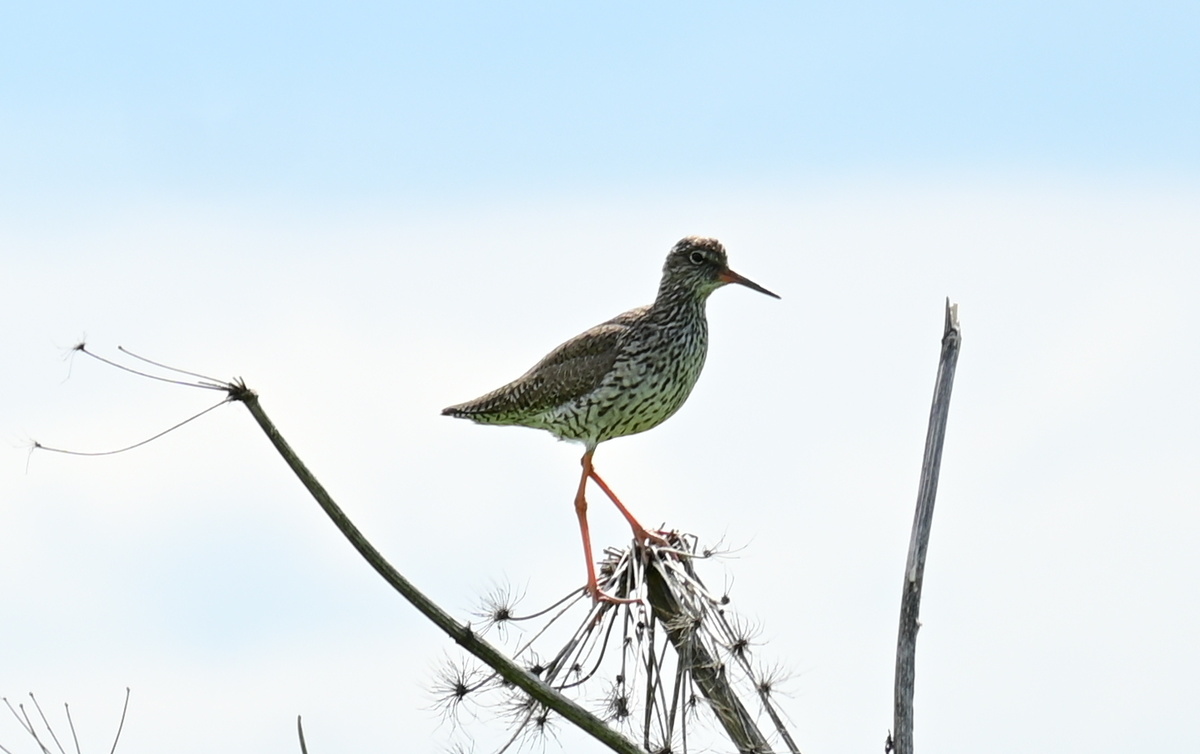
{"points": [[696, 257]]}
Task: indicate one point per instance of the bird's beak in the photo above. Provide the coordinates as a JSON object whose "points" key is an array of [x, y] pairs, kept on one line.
{"points": [[729, 276]]}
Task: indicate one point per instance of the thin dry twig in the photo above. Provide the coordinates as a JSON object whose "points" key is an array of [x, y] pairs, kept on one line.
{"points": [[46, 723], [39, 446], [71, 723], [121, 725], [300, 732], [27, 724], [203, 383]]}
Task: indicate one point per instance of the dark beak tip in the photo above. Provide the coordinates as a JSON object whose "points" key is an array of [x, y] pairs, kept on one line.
{"points": [[729, 276], [754, 286]]}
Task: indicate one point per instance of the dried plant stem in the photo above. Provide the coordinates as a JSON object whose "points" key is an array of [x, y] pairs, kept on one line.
{"points": [[914, 570], [463, 635], [300, 732], [707, 670]]}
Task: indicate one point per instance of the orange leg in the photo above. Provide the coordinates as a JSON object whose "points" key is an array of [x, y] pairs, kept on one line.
{"points": [[593, 587], [581, 511], [639, 532]]}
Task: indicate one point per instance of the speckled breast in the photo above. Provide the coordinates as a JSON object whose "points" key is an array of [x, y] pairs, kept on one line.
{"points": [[651, 378]]}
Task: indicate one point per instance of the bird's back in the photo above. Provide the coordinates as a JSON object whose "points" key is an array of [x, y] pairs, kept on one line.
{"points": [[571, 370], [619, 378]]}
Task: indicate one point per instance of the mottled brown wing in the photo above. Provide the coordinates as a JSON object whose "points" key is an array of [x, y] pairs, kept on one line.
{"points": [[569, 371]]}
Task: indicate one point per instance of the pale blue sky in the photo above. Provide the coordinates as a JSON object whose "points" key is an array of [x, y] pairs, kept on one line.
{"points": [[449, 98], [372, 212]]}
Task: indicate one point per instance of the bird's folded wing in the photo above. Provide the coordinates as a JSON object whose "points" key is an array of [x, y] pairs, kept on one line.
{"points": [[573, 369]]}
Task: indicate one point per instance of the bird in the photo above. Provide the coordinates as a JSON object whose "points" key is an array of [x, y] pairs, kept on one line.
{"points": [[621, 377]]}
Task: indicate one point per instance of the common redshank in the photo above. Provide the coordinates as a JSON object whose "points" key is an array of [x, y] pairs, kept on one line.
{"points": [[621, 377]]}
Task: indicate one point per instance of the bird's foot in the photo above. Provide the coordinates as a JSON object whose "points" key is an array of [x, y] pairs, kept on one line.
{"points": [[651, 537], [599, 595]]}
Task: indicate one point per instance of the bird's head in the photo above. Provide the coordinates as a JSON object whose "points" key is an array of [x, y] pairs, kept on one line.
{"points": [[699, 265]]}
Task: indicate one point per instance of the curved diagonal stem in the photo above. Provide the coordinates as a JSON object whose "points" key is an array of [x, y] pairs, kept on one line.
{"points": [[463, 635]]}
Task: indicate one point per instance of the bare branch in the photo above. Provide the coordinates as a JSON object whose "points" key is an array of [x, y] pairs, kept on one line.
{"points": [[914, 570], [463, 635]]}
